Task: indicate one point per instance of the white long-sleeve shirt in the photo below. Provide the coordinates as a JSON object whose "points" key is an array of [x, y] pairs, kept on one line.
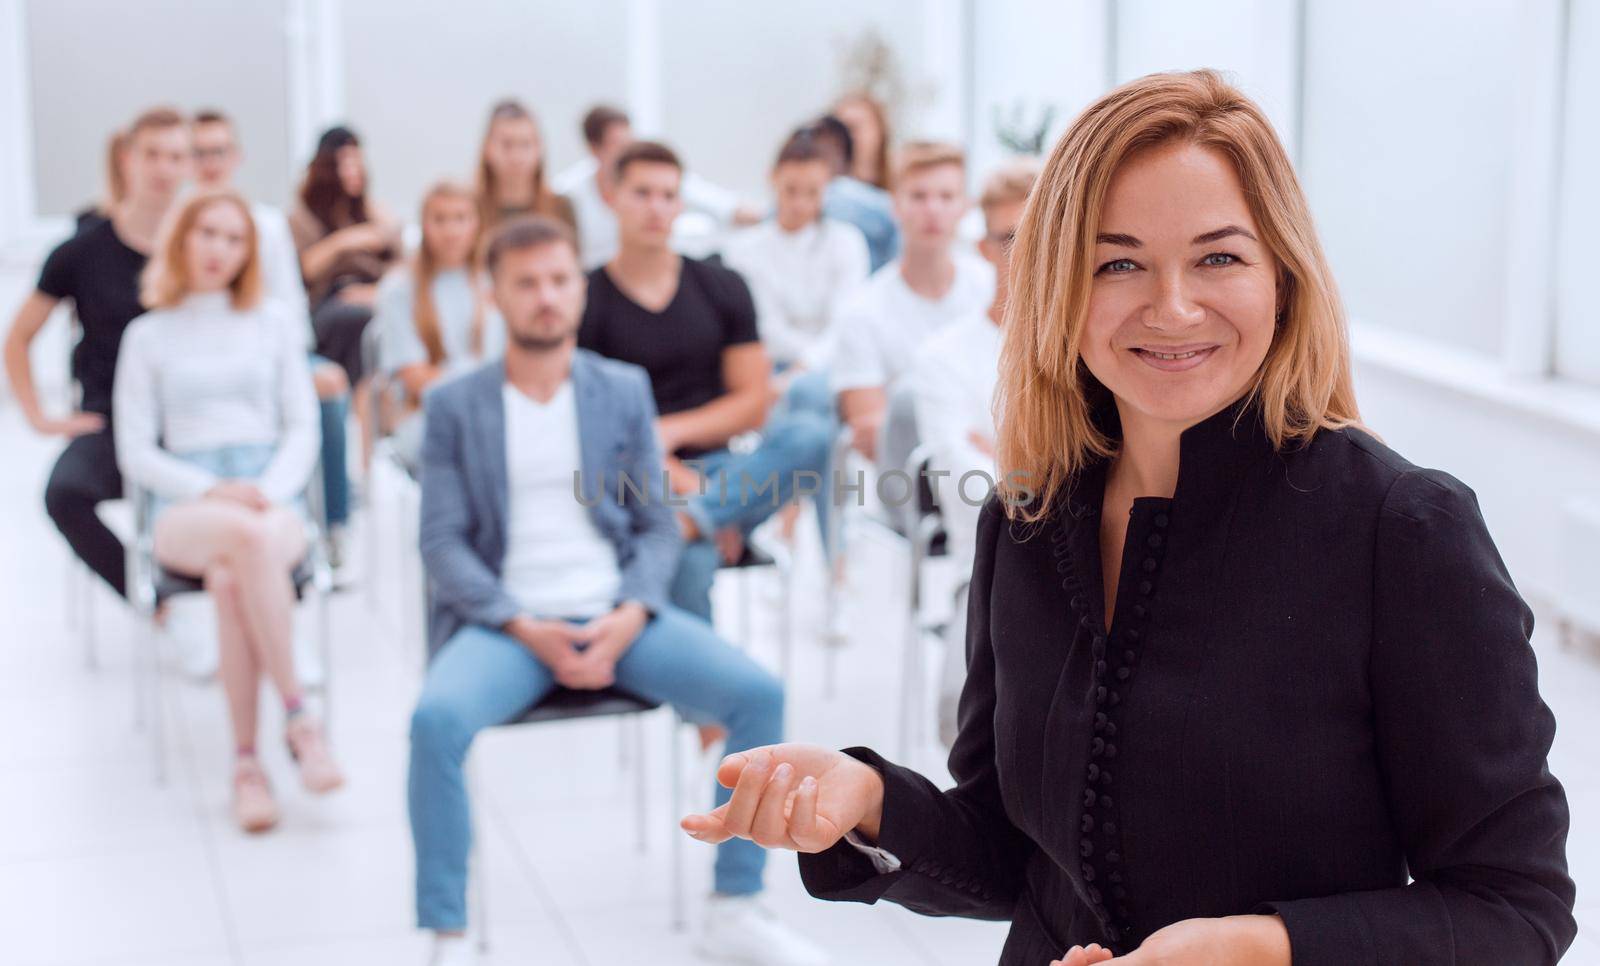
{"points": [[203, 375], [953, 381], [799, 279], [280, 270]]}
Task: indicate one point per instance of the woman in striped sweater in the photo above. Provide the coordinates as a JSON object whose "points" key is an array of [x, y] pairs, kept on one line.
{"points": [[217, 421]]}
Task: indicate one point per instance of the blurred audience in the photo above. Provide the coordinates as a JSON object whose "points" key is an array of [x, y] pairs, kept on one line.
{"points": [[533, 590], [97, 271], [691, 325], [217, 425], [217, 156], [590, 184], [952, 381], [433, 315], [849, 199], [511, 170], [932, 284]]}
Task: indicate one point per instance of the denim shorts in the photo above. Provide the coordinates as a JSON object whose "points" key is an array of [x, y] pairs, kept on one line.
{"points": [[244, 461]]}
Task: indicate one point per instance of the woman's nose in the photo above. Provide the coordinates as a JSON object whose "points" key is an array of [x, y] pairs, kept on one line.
{"points": [[1173, 308]]}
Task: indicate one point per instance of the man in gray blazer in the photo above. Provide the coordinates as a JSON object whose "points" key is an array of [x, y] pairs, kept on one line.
{"points": [[549, 546]]}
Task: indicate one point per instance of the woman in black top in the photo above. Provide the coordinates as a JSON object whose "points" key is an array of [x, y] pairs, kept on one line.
{"points": [[1244, 686]]}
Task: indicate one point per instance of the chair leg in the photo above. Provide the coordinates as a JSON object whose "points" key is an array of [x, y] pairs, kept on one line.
{"points": [[369, 523], [911, 663], [153, 690], [675, 763], [641, 778]]}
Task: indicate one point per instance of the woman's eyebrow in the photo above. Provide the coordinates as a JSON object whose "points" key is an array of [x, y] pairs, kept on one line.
{"points": [[1128, 241], [1223, 232]]}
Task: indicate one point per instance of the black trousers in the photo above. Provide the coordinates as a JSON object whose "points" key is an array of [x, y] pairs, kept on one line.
{"points": [[338, 326], [84, 475]]}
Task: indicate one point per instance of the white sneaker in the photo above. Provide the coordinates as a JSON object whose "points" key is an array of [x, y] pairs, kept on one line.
{"points": [[739, 929], [190, 624], [454, 951], [341, 558]]}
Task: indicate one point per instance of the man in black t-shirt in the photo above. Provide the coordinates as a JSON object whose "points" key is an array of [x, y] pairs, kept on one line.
{"points": [[692, 325], [98, 270]]}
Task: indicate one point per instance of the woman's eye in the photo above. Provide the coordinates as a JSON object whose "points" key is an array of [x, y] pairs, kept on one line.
{"points": [[1116, 267], [1219, 259]]}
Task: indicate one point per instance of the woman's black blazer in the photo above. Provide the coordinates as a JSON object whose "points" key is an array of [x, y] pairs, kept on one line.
{"points": [[1317, 699]]}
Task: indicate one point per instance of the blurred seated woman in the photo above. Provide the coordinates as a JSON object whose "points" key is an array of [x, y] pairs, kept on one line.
{"points": [[511, 171], [217, 421], [346, 242], [432, 316]]}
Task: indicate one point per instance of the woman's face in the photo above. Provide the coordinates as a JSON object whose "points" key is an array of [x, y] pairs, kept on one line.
{"points": [[1183, 301], [865, 135], [352, 168], [449, 228], [216, 247], [512, 150]]}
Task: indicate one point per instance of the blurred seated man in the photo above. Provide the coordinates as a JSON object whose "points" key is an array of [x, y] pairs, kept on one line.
{"points": [[589, 185], [952, 385], [97, 270], [886, 321], [549, 549], [691, 325]]}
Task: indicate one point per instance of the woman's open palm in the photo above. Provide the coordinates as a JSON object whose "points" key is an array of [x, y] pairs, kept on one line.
{"points": [[792, 796]]}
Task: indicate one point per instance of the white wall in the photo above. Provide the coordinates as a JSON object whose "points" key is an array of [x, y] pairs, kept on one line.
{"points": [[737, 77], [1524, 454], [419, 80], [1578, 247], [1034, 53], [1251, 41], [1407, 133], [95, 64]]}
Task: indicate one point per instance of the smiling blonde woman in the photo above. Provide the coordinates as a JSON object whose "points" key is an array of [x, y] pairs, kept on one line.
{"points": [[1244, 685]]}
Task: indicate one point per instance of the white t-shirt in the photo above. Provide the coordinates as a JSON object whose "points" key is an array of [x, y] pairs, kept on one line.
{"points": [[280, 269], [799, 279], [952, 382], [884, 323], [557, 563]]}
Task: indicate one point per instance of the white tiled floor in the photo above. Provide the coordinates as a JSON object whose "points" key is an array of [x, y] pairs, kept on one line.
{"points": [[100, 865]]}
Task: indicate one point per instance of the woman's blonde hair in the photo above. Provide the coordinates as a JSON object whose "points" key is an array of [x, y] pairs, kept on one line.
{"points": [[1046, 395], [165, 281], [425, 267]]}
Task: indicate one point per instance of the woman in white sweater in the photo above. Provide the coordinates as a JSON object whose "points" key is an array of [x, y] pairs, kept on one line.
{"points": [[217, 421]]}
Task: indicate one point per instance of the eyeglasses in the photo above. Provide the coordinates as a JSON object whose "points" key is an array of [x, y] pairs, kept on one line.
{"points": [[212, 154]]}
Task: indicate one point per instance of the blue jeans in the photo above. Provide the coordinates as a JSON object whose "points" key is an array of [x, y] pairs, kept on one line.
{"points": [[335, 471], [743, 489], [238, 461], [482, 678]]}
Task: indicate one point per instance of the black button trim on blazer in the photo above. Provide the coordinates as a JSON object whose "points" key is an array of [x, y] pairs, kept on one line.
{"points": [[1324, 707]]}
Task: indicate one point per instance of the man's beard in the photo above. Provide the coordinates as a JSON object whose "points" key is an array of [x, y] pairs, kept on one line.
{"points": [[537, 343], [540, 341]]}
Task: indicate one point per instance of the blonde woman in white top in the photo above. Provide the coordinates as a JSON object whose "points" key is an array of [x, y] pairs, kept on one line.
{"points": [[217, 420]]}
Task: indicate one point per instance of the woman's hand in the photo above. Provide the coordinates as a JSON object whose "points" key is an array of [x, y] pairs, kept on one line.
{"points": [[240, 492], [793, 796], [1229, 941], [1083, 956]]}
